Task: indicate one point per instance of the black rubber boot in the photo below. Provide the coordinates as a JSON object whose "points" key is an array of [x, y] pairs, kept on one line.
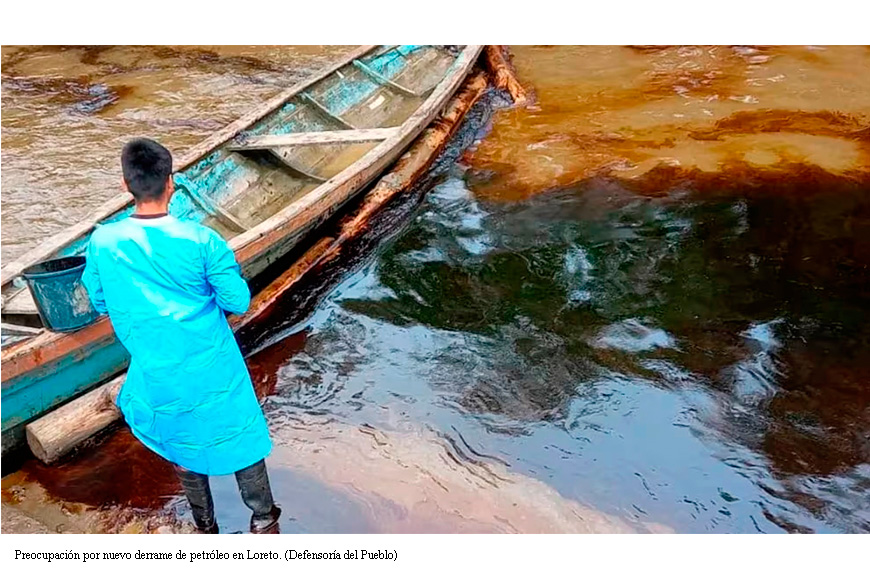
{"points": [[257, 494], [198, 494]]}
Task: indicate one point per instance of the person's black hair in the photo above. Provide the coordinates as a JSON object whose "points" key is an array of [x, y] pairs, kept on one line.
{"points": [[147, 166]]}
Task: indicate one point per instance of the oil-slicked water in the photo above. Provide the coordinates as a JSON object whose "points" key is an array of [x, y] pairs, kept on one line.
{"points": [[578, 331], [695, 363]]}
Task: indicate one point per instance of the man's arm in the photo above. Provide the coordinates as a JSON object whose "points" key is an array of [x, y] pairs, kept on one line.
{"points": [[91, 279], [224, 275]]}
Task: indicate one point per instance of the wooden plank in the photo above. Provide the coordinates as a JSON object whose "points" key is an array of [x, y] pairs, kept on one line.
{"points": [[19, 330], [20, 303], [214, 209], [63, 238], [295, 167], [214, 141], [381, 79], [324, 110], [23, 357], [312, 138], [387, 49]]}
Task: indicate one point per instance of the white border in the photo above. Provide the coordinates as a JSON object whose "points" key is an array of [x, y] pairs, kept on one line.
{"points": [[450, 21]]}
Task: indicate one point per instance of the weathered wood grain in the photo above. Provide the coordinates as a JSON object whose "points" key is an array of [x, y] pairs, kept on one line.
{"points": [[313, 138], [56, 434], [381, 79], [503, 73], [337, 190], [18, 329]]}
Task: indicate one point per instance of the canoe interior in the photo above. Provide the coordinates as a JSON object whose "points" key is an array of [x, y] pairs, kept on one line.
{"points": [[252, 186], [233, 191]]}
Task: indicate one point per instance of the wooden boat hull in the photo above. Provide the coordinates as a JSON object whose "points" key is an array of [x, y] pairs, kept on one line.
{"points": [[42, 372]]}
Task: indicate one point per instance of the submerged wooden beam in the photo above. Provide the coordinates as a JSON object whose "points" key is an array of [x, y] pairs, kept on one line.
{"points": [[381, 79], [313, 138], [59, 432]]}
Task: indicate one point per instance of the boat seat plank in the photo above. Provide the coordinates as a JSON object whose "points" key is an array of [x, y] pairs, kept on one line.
{"points": [[265, 142], [323, 109], [213, 209], [295, 167], [20, 303], [381, 79], [17, 329]]}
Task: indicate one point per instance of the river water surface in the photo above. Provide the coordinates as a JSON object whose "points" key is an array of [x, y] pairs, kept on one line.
{"points": [[640, 304]]}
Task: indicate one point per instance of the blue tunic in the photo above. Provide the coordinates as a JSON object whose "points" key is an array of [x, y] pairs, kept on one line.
{"points": [[165, 285]]}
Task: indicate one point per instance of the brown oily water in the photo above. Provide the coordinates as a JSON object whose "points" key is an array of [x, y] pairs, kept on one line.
{"points": [[637, 303]]}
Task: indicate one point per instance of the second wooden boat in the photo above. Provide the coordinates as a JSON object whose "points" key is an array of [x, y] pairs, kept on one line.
{"points": [[263, 182]]}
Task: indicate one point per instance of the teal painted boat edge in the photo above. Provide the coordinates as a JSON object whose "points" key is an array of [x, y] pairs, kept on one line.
{"points": [[37, 394]]}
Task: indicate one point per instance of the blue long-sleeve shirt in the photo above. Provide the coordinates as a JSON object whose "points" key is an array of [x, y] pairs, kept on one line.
{"points": [[165, 285]]}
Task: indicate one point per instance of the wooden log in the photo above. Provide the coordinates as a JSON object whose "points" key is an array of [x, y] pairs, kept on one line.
{"points": [[56, 434], [312, 138], [503, 73], [59, 432]]}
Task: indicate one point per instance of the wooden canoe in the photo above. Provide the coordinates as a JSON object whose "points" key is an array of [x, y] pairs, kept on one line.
{"points": [[263, 182]]}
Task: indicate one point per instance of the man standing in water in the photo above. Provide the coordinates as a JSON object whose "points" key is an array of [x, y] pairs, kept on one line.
{"points": [[166, 285]]}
